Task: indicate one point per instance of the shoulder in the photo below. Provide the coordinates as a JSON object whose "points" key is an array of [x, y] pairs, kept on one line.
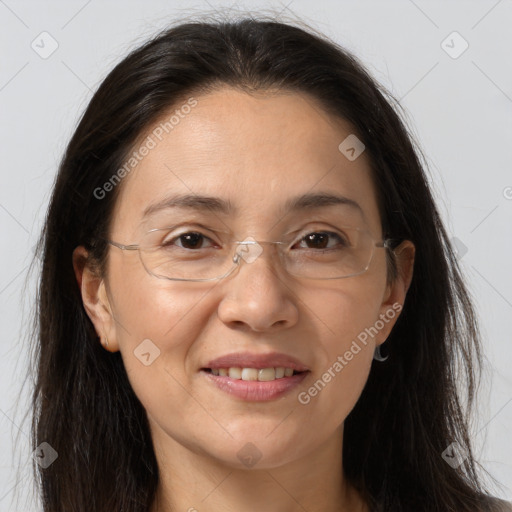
{"points": [[506, 506], [497, 505]]}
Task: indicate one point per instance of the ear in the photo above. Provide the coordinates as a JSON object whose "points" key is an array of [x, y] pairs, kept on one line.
{"points": [[95, 298], [394, 297]]}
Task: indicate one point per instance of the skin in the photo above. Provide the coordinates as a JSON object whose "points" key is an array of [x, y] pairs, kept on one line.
{"points": [[256, 150]]}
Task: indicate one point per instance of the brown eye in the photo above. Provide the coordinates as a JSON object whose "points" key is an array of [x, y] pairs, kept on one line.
{"points": [[321, 239], [191, 240]]}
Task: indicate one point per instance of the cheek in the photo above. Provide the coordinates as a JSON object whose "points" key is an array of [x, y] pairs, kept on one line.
{"points": [[346, 313], [149, 307], [172, 320], [345, 320], [156, 324]]}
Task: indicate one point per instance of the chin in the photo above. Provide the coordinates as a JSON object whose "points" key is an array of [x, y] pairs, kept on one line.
{"points": [[257, 452]]}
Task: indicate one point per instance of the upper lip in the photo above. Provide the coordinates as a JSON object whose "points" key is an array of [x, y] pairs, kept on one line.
{"points": [[248, 360]]}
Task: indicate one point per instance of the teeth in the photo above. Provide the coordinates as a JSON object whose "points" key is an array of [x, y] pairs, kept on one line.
{"points": [[249, 374], [262, 375], [266, 374], [235, 373]]}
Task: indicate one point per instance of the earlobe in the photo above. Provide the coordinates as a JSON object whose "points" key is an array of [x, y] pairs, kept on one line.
{"points": [[94, 296]]}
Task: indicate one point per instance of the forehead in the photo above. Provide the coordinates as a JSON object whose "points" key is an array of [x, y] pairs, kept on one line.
{"points": [[257, 152]]}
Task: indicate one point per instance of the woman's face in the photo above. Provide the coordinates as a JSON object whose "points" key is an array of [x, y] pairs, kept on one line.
{"points": [[257, 152]]}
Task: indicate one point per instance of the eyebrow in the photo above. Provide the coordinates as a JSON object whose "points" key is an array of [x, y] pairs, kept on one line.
{"points": [[308, 201]]}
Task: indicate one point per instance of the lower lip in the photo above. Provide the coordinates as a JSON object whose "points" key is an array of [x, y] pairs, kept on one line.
{"points": [[254, 390]]}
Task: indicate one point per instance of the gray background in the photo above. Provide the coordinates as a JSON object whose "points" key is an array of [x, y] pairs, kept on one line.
{"points": [[459, 108]]}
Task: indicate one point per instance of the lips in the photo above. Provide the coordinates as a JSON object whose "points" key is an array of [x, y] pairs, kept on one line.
{"points": [[259, 361], [255, 377]]}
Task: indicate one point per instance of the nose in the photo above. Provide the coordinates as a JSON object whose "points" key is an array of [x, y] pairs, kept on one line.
{"points": [[257, 295]]}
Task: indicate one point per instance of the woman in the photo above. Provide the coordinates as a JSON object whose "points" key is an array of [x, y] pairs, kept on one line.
{"points": [[240, 223]]}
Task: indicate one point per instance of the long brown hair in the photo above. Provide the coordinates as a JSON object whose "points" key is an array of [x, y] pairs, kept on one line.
{"points": [[410, 410]]}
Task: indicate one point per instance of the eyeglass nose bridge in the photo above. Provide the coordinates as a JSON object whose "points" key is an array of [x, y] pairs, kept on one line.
{"points": [[249, 255]]}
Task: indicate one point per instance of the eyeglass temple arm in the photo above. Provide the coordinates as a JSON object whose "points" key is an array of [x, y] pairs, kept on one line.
{"points": [[132, 247], [387, 243]]}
